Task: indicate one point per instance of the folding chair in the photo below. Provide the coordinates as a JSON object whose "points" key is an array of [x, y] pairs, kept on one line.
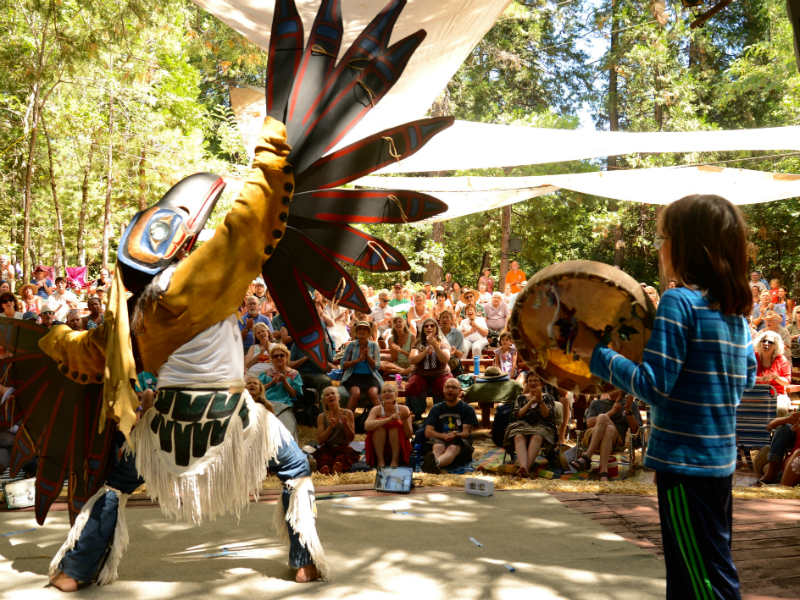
{"points": [[758, 407]]}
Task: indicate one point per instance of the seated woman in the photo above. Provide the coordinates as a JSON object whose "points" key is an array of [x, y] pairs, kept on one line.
{"points": [[608, 421], [772, 367], [388, 430], [441, 304], [455, 295], [429, 357], [505, 357], [361, 361], [8, 306], [335, 430], [358, 316], [282, 385], [532, 427], [785, 443], [31, 302], [257, 359], [475, 330], [418, 312], [400, 342]]}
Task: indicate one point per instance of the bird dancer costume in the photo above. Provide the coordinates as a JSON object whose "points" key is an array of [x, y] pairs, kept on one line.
{"points": [[204, 446]]}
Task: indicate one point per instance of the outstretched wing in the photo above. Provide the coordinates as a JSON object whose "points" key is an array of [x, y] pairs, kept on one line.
{"points": [[321, 100], [366, 206], [58, 421]]}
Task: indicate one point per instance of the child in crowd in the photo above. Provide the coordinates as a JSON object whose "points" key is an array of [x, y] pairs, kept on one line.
{"points": [[505, 357]]}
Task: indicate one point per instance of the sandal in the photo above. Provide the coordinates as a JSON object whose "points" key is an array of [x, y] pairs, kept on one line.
{"points": [[582, 463], [603, 477]]}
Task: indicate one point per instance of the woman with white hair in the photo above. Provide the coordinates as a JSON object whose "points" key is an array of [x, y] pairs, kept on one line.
{"points": [[772, 322], [257, 359], [772, 367]]}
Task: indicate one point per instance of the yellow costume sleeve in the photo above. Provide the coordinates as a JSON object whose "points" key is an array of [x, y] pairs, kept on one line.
{"points": [[209, 285], [101, 355]]}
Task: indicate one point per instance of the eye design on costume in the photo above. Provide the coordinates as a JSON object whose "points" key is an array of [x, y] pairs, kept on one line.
{"points": [[159, 231]]}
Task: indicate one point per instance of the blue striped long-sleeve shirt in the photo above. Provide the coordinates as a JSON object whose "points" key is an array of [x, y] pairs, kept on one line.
{"points": [[695, 367]]}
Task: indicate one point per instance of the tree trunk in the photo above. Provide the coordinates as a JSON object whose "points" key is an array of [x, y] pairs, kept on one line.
{"points": [[486, 263], [109, 183], [26, 210], [619, 245], [81, 245], [613, 92], [62, 246], [433, 271], [143, 180], [35, 112], [613, 119], [505, 234]]}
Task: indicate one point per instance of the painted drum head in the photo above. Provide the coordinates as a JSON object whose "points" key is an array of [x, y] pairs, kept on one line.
{"points": [[547, 312]]}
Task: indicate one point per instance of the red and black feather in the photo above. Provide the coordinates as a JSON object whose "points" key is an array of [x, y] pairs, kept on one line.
{"points": [[349, 102], [370, 154], [366, 206], [285, 51], [319, 59], [353, 246]]}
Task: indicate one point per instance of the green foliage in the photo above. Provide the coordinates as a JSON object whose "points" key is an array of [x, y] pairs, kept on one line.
{"points": [[165, 68]]}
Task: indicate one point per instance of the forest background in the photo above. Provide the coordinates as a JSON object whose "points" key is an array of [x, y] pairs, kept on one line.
{"points": [[104, 105]]}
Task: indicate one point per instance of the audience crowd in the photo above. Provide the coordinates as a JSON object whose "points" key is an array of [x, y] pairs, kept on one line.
{"points": [[412, 345]]}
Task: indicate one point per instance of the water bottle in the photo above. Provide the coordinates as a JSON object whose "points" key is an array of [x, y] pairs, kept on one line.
{"points": [[416, 457], [476, 360]]}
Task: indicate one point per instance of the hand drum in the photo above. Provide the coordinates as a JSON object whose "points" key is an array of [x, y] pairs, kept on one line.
{"points": [[545, 318]]}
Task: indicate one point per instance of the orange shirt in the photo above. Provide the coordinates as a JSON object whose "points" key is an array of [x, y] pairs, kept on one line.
{"points": [[514, 278]]}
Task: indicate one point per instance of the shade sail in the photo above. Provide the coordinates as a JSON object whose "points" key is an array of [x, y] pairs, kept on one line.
{"points": [[468, 145], [468, 195], [453, 29]]}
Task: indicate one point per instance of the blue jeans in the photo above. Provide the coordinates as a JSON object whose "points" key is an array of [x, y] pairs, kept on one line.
{"points": [[85, 560], [782, 441], [290, 463]]}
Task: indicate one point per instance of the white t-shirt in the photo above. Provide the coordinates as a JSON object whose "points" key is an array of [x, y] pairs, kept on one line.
{"points": [[62, 303], [465, 326], [213, 358]]}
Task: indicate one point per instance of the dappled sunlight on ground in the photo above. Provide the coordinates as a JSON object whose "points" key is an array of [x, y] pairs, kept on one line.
{"points": [[440, 545]]}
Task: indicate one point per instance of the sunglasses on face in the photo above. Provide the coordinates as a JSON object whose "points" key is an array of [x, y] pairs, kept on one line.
{"points": [[767, 343], [274, 356]]}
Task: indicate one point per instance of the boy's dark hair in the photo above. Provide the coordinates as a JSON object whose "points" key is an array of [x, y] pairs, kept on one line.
{"points": [[59, 280], [708, 248]]}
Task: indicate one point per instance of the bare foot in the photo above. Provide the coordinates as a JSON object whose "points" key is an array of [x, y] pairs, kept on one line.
{"points": [[338, 467], [64, 582], [394, 464], [307, 573], [325, 470]]}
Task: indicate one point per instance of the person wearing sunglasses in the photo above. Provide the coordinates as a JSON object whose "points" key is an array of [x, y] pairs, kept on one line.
{"points": [[8, 306], [282, 385], [772, 366]]}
